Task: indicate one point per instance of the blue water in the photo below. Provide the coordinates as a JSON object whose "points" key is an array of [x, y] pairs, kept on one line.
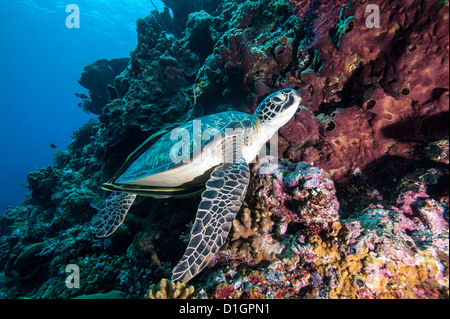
{"points": [[41, 61]]}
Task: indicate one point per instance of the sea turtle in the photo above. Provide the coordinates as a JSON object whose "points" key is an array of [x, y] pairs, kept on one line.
{"points": [[213, 152]]}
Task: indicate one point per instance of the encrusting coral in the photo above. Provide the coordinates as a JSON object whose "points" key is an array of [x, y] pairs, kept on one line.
{"points": [[355, 206], [301, 193], [377, 253]]}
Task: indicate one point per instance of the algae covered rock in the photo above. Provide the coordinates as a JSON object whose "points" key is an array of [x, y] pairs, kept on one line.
{"points": [[300, 193], [43, 183], [28, 261]]}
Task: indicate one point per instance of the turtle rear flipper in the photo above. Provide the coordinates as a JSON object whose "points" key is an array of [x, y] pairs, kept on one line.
{"points": [[222, 199], [112, 213]]}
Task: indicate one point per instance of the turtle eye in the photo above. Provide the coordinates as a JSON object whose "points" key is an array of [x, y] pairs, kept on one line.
{"points": [[279, 98], [276, 99]]}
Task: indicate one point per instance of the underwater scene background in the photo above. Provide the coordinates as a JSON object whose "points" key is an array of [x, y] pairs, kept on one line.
{"points": [[39, 106], [355, 207]]}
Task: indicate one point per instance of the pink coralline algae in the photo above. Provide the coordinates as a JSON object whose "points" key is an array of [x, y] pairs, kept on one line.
{"points": [[297, 192], [432, 213], [380, 252]]}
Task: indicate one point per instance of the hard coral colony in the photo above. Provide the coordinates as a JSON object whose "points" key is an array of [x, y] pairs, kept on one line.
{"points": [[355, 205]]}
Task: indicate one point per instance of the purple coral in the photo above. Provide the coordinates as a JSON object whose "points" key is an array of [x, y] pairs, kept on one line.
{"points": [[318, 17], [235, 57], [298, 192], [364, 109]]}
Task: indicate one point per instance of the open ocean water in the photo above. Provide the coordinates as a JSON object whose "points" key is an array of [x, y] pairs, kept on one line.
{"points": [[42, 60]]}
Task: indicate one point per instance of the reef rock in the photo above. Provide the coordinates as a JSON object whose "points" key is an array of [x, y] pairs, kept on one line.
{"points": [[97, 77], [298, 192]]}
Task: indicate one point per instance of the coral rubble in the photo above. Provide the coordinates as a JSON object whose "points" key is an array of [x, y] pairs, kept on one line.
{"points": [[355, 205]]}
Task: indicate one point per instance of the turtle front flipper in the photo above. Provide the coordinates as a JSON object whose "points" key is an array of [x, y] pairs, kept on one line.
{"points": [[112, 213], [222, 199]]}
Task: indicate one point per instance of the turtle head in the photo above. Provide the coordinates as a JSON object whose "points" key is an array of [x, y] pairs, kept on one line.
{"points": [[276, 109]]}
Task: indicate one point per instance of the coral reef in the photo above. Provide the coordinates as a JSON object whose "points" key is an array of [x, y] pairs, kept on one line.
{"points": [[380, 252], [182, 10], [438, 151], [301, 193], [283, 195], [355, 206], [318, 18], [166, 289], [97, 77], [365, 109]]}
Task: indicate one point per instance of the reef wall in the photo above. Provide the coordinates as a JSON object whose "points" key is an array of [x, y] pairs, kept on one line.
{"points": [[356, 206]]}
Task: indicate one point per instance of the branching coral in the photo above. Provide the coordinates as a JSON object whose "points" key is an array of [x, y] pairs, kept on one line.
{"points": [[166, 289]]}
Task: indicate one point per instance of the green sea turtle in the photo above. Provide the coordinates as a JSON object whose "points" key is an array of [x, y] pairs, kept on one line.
{"points": [[213, 152]]}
